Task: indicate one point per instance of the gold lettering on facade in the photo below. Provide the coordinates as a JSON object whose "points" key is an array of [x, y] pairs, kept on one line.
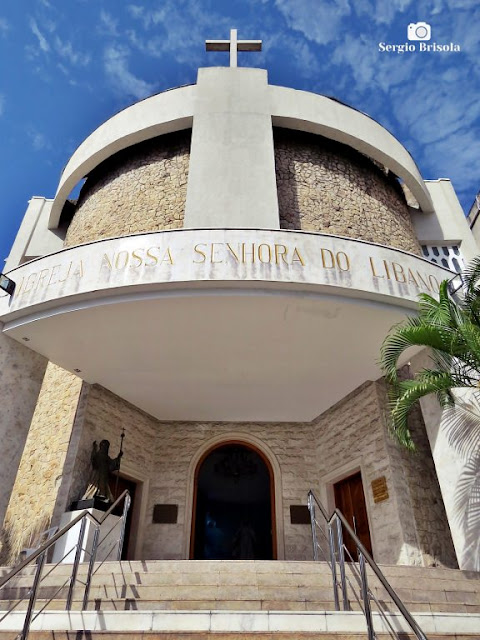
{"points": [[245, 253], [372, 267], [153, 258], [53, 275], [298, 257], [262, 252], [398, 272], [78, 271], [281, 254], [411, 278], [343, 261], [385, 264], [424, 282], [217, 252], [328, 260], [403, 275], [41, 277], [67, 274], [167, 257], [135, 258], [201, 253], [106, 261], [49, 276], [434, 283], [138, 259], [233, 252]]}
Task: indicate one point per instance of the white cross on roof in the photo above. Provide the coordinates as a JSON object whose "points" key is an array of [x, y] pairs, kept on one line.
{"points": [[233, 45]]}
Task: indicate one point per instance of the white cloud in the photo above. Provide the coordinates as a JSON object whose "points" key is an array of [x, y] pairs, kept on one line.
{"points": [[385, 12], [108, 24], [135, 11], [116, 68], [42, 41], [39, 140], [369, 68], [67, 52], [319, 22], [175, 29]]}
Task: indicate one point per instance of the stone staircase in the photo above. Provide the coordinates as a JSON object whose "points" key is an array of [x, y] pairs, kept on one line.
{"points": [[239, 599]]}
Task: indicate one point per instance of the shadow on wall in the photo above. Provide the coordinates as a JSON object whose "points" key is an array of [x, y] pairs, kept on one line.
{"points": [[462, 427]]}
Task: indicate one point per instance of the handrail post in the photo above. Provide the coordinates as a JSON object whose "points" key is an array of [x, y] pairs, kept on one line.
{"points": [[126, 506], [311, 508], [331, 544], [93, 555], [76, 562], [33, 596], [341, 562], [365, 596]]}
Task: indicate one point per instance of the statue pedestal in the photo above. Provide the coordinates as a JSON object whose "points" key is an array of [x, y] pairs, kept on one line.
{"points": [[66, 545]]}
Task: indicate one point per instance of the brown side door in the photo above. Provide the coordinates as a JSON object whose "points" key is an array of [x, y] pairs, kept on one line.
{"points": [[350, 499]]}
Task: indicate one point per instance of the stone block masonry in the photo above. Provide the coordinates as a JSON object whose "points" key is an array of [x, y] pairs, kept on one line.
{"points": [[161, 457], [137, 190], [105, 416], [21, 375], [40, 474], [328, 187], [404, 527]]}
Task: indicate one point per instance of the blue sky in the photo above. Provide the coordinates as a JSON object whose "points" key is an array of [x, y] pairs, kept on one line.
{"points": [[68, 65]]}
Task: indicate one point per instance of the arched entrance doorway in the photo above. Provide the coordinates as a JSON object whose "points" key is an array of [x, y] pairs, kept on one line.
{"points": [[233, 511]]}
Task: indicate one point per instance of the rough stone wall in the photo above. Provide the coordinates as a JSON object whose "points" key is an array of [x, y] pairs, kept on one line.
{"points": [[354, 430], [40, 474], [417, 487], [410, 527], [21, 375], [104, 417], [177, 444], [328, 187], [140, 189]]}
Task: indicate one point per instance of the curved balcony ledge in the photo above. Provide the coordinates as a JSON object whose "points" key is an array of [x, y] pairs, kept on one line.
{"points": [[218, 324]]}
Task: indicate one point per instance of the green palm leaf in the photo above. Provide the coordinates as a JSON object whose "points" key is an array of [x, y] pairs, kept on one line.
{"points": [[451, 330]]}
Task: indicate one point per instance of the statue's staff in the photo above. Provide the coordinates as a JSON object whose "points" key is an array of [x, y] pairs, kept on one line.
{"points": [[122, 436]]}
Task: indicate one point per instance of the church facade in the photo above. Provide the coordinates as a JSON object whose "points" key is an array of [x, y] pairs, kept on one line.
{"points": [[219, 294]]}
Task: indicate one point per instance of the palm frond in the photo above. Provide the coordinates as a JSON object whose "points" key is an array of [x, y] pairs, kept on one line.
{"points": [[405, 394]]}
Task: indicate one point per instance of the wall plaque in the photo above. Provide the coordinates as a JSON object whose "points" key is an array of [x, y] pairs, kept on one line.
{"points": [[165, 513], [299, 514], [380, 489]]}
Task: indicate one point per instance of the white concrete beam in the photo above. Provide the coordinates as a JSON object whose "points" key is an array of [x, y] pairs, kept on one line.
{"points": [[231, 179]]}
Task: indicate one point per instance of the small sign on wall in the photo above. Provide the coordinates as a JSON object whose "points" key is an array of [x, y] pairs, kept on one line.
{"points": [[380, 489], [299, 514], [165, 514]]}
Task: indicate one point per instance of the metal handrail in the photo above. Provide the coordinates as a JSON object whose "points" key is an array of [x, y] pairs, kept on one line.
{"points": [[39, 556], [49, 543], [338, 516]]}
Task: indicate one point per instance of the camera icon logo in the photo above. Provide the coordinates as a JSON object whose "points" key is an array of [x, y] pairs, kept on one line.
{"points": [[419, 31]]}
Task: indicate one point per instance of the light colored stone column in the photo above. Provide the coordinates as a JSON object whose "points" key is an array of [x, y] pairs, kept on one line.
{"points": [[232, 165], [21, 375], [39, 476]]}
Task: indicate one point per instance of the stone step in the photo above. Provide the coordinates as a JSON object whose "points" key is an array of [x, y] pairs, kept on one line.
{"points": [[242, 624], [252, 585], [233, 635]]}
